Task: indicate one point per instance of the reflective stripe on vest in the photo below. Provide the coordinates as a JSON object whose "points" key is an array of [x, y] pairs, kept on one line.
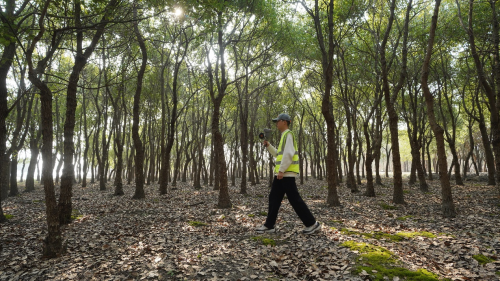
{"points": [[294, 167]]}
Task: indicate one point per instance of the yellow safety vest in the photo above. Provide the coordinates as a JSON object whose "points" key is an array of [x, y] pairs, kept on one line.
{"points": [[294, 167]]}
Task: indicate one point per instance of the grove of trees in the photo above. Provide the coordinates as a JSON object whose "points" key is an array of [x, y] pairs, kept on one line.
{"points": [[150, 93]]}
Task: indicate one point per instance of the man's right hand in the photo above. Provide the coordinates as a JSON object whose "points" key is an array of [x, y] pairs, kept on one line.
{"points": [[265, 143]]}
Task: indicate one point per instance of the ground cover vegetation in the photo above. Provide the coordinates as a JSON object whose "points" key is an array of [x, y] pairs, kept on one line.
{"points": [[152, 96]]}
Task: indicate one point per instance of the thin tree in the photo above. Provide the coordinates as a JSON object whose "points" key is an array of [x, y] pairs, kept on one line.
{"points": [[139, 149], [52, 244], [447, 206], [327, 50]]}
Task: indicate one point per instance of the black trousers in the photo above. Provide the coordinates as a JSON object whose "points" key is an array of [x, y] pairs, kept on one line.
{"points": [[278, 190]]}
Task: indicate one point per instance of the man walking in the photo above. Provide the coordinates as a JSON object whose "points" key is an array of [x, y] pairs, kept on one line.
{"points": [[285, 172]]}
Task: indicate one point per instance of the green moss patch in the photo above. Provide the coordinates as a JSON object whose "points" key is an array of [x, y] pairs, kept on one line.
{"points": [[413, 234], [264, 240], [8, 216], [197, 223], [482, 259], [75, 214], [346, 231], [387, 206], [400, 236], [378, 272], [387, 236], [251, 215], [263, 213], [403, 218], [381, 263], [375, 235], [364, 247]]}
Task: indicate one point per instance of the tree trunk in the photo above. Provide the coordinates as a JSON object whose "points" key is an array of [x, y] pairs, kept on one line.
{"points": [[390, 100], [224, 200], [34, 151], [351, 181], [14, 191], [52, 244], [448, 207], [118, 135], [139, 154], [201, 160], [9, 50], [370, 190], [358, 158]]}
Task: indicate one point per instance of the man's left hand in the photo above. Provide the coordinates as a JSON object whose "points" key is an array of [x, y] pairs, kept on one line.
{"points": [[280, 175]]}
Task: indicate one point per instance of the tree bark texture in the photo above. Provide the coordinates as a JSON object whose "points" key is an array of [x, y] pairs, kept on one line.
{"points": [[139, 150], [447, 205]]}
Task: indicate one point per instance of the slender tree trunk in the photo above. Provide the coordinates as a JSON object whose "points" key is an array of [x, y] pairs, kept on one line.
{"points": [[212, 165], [52, 244], [9, 51], [118, 139], [201, 160], [390, 100], [34, 151], [224, 200], [139, 155], [244, 137], [448, 206], [358, 160], [370, 190], [488, 152], [14, 191], [377, 147], [301, 144], [351, 181]]}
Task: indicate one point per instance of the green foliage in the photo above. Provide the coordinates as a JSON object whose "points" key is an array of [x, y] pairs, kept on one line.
{"points": [[8, 216], [413, 234], [251, 215], [379, 235], [171, 273], [403, 218], [263, 213], [482, 259], [391, 237], [346, 231], [366, 248], [264, 240], [387, 207], [381, 263], [390, 272], [375, 235], [75, 214], [196, 223]]}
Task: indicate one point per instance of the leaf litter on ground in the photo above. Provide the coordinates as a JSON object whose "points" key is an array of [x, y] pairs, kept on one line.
{"points": [[183, 236]]}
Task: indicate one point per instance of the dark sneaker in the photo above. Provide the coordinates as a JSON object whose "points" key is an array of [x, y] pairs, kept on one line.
{"points": [[265, 229], [311, 229]]}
